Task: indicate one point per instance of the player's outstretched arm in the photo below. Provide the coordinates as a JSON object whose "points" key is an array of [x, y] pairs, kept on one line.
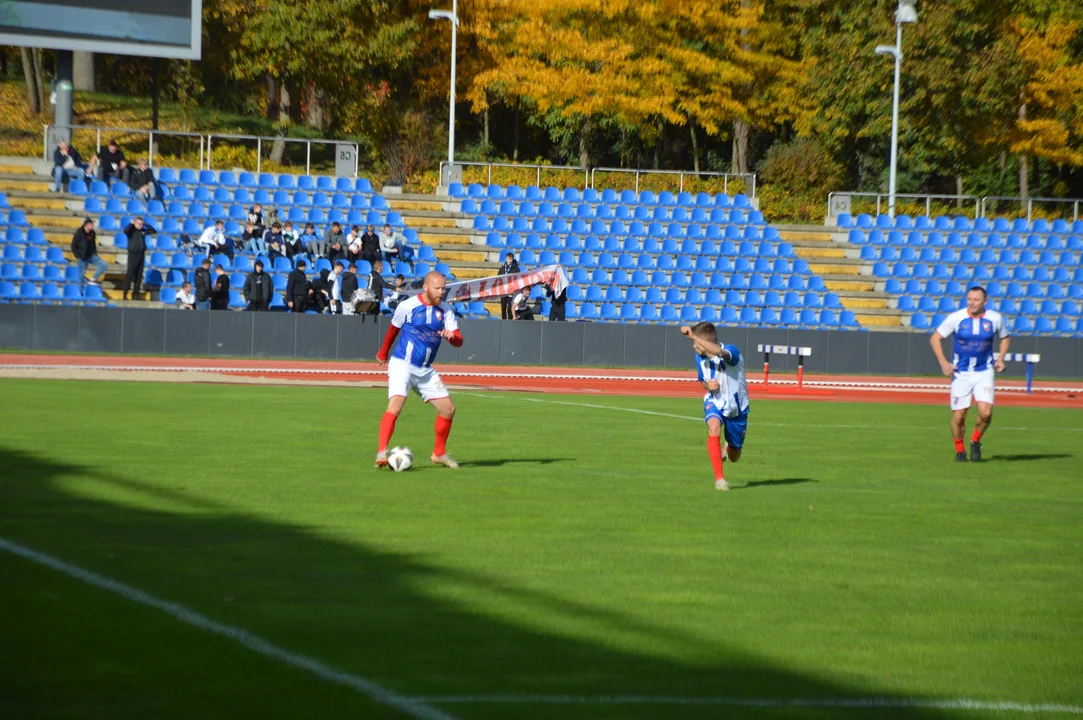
{"points": [[705, 347]]}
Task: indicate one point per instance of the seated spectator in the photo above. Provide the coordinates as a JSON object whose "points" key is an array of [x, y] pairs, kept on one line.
{"points": [[186, 299], [320, 297], [220, 298], [353, 244], [84, 246], [67, 165], [390, 244], [291, 241], [398, 293], [214, 240], [251, 241], [258, 289], [255, 216], [107, 164], [141, 181], [309, 239], [204, 285], [348, 288], [297, 289], [331, 235], [370, 245], [274, 235], [520, 306], [337, 251]]}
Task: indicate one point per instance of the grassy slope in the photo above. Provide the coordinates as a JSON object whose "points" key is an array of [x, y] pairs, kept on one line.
{"points": [[585, 551]]}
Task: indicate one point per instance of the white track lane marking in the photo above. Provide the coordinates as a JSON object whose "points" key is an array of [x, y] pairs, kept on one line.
{"points": [[638, 411], [855, 703], [376, 692]]}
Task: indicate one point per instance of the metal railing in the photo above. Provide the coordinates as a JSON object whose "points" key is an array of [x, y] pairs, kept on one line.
{"points": [[519, 166], [48, 138], [262, 139], [928, 198], [749, 178], [1029, 202]]}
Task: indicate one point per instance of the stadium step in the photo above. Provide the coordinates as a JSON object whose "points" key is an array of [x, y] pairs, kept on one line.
{"points": [[416, 222], [25, 183], [449, 256], [810, 253], [863, 303], [411, 206], [832, 269], [12, 169], [471, 273], [438, 236], [41, 220], [880, 322], [35, 202], [805, 236], [850, 286]]}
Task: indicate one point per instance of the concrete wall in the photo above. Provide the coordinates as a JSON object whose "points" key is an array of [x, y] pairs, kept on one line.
{"points": [[280, 335]]}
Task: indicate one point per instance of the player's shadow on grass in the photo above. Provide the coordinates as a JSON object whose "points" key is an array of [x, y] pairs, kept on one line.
{"points": [[1027, 458], [773, 483], [501, 462]]}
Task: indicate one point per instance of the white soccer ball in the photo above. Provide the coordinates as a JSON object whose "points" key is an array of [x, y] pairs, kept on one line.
{"points": [[400, 458]]}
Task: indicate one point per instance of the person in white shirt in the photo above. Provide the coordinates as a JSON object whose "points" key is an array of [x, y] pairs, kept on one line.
{"points": [[335, 281], [186, 299], [390, 244], [353, 244], [520, 306], [213, 239]]}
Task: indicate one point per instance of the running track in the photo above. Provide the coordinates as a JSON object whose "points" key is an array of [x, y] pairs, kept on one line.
{"points": [[629, 381]]}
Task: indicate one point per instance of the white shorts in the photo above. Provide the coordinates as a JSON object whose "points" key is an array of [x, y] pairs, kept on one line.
{"points": [[402, 377], [976, 384]]}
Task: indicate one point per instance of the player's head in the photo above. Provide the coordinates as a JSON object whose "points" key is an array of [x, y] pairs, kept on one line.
{"points": [[433, 287], [975, 300], [705, 331]]}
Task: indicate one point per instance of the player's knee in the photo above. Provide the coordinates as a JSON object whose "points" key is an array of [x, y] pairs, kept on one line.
{"points": [[448, 411], [714, 428], [734, 454]]}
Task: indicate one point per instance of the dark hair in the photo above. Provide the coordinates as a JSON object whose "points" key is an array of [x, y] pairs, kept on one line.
{"points": [[259, 264], [113, 142], [300, 264], [276, 225], [705, 330], [137, 217], [219, 222], [338, 264], [206, 261], [401, 277], [511, 255], [978, 288], [353, 266], [335, 224]]}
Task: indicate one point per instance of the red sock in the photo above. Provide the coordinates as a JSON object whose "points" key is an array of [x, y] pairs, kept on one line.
{"points": [[387, 429], [443, 429], [976, 437], [959, 446], [714, 449]]}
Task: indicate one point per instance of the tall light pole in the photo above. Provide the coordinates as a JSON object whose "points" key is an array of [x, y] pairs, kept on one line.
{"points": [[453, 16], [906, 13]]}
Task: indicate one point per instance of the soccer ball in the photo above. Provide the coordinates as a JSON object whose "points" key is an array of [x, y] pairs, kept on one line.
{"points": [[400, 459]]}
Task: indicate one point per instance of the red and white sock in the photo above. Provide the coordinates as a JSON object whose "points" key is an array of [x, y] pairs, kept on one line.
{"points": [[387, 429], [714, 449], [443, 429]]}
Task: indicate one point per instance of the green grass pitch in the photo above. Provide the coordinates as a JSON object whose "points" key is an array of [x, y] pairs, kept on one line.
{"points": [[581, 551]]}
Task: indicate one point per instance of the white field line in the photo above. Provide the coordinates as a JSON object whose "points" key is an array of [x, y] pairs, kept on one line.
{"points": [[856, 703], [449, 371], [374, 691], [638, 411]]}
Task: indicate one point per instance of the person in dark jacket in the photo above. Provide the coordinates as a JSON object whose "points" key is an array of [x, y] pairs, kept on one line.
{"points": [[84, 246], [297, 289], [557, 303], [258, 289], [370, 245], [320, 299], [377, 285], [204, 287], [137, 232], [255, 216], [108, 163], [67, 165], [347, 287], [220, 298], [510, 267], [141, 181]]}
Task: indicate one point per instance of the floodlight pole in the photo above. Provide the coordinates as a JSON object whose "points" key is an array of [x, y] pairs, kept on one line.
{"points": [[895, 124], [453, 16]]}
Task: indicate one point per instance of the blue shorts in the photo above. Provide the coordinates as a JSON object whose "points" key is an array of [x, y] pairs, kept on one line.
{"points": [[733, 429]]}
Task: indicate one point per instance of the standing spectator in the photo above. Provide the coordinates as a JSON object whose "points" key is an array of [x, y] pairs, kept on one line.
{"points": [[255, 216], [204, 289], [309, 240], [331, 235], [67, 165], [297, 289], [141, 181], [510, 267], [291, 243], [556, 307], [186, 299], [335, 280], [353, 244], [137, 232], [214, 240], [319, 298], [520, 306], [107, 164], [390, 242], [252, 241], [258, 289], [220, 300], [398, 293], [347, 287], [84, 246], [377, 285], [370, 245]]}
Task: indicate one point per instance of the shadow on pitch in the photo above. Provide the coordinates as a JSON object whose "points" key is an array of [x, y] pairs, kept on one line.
{"points": [[774, 483], [501, 462], [1027, 458]]}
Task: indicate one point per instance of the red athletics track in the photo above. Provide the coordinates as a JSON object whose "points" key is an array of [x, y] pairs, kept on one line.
{"points": [[628, 381]]}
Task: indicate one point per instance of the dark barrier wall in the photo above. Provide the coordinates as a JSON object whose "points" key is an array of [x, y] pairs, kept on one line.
{"points": [[489, 342]]}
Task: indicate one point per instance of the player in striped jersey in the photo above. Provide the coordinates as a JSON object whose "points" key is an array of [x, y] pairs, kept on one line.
{"points": [[972, 368], [721, 371], [419, 325]]}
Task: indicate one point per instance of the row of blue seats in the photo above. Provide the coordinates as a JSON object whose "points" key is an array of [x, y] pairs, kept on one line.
{"points": [[500, 224], [632, 244], [1020, 324], [697, 296], [590, 195], [52, 292], [1000, 225], [1007, 306], [988, 256], [296, 216], [976, 241], [23, 236], [32, 254], [769, 317], [568, 211], [245, 263], [222, 201], [54, 273], [977, 273], [722, 281], [266, 181], [665, 263]]}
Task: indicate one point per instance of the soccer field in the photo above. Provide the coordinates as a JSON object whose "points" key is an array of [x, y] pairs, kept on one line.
{"points": [[580, 565]]}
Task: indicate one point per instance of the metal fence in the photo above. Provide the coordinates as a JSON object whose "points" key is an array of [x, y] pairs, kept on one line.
{"points": [[264, 145], [983, 206], [918, 197], [995, 201], [536, 169], [182, 142], [748, 178]]}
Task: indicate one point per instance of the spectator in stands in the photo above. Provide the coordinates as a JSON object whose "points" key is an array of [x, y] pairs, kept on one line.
{"points": [[84, 246], [204, 286], [220, 299], [186, 299], [137, 232], [107, 164], [390, 244], [347, 286], [337, 251], [331, 235], [214, 240], [520, 306], [353, 243], [255, 216], [258, 289], [319, 299], [557, 303], [510, 267], [141, 181], [251, 240], [335, 280], [67, 165], [398, 293], [276, 247], [297, 289], [274, 235], [370, 245], [377, 285], [291, 241], [309, 240]]}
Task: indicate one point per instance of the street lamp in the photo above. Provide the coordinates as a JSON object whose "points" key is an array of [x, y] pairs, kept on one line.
{"points": [[453, 16], [906, 13]]}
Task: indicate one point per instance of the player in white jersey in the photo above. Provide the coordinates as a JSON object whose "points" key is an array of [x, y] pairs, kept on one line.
{"points": [[423, 321], [721, 371], [972, 368]]}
